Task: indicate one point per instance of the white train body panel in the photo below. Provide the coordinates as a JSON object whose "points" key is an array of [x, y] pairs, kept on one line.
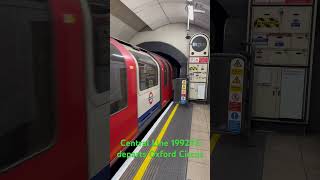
{"points": [[149, 98]]}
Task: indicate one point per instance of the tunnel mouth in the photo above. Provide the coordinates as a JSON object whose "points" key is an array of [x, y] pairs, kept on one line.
{"points": [[175, 64], [176, 58]]}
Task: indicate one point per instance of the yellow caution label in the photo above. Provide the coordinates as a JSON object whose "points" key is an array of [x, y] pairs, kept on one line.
{"points": [[266, 23], [238, 72], [236, 89], [236, 80]]}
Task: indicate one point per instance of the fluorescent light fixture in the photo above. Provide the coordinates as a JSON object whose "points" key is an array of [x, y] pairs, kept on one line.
{"points": [[190, 13], [199, 11]]}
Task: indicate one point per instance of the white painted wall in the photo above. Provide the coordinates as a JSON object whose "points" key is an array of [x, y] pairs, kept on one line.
{"points": [[173, 34], [120, 30]]}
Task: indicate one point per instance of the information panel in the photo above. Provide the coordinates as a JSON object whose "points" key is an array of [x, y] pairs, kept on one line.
{"points": [[198, 67]]}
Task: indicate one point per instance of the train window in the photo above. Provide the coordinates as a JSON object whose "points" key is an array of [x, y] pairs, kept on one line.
{"points": [[27, 122], [165, 73], [148, 71], [100, 39], [118, 77]]}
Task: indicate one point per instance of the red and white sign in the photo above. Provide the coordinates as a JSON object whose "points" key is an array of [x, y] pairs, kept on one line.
{"points": [[203, 59], [235, 97], [200, 60], [235, 106]]}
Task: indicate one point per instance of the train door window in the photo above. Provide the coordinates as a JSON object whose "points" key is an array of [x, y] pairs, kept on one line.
{"points": [[165, 73], [118, 77], [100, 39], [27, 122], [148, 71]]}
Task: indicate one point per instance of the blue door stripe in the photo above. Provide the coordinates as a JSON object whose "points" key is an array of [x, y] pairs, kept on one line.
{"points": [[147, 114]]}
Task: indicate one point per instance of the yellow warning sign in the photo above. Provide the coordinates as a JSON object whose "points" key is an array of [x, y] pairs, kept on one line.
{"points": [[266, 23], [236, 80], [184, 87], [237, 64], [184, 82], [193, 68], [238, 72], [235, 89]]}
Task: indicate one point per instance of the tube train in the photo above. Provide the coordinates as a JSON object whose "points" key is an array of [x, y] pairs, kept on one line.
{"points": [[55, 110], [141, 87]]}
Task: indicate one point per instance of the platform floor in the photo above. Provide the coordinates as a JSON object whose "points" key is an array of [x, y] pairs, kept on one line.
{"points": [[269, 156], [265, 156], [292, 157], [187, 122], [200, 129]]}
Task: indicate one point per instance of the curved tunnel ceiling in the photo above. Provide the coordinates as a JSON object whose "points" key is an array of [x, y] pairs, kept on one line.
{"points": [[157, 13]]}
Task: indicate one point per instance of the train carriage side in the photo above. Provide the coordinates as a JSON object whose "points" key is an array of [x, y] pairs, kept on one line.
{"points": [[148, 87], [148, 80], [171, 81], [44, 125], [169, 87], [123, 97], [165, 80]]}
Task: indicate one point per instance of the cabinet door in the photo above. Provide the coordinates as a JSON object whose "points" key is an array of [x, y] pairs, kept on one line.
{"points": [[292, 93], [300, 41], [278, 57], [264, 93], [298, 58], [266, 19], [262, 56], [297, 20], [279, 41]]}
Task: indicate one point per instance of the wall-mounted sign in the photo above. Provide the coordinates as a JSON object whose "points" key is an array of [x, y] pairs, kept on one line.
{"points": [[235, 95], [199, 45], [199, 60], [183, 92], [198, 67]]}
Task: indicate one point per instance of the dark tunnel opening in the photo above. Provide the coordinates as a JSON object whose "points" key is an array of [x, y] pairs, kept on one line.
{"points": [[176, 57], [175, 64]]}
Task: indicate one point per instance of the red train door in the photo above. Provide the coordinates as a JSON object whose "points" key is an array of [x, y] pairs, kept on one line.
{"points": [[123, 97], [97, 88], [168, 87], [170, 80], [171, 73], [166, 79], [163, 78], [43, 119]]}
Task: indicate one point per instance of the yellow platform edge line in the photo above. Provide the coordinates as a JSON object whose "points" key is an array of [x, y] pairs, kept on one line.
{"points": [[213, 141], [147, 160]]}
